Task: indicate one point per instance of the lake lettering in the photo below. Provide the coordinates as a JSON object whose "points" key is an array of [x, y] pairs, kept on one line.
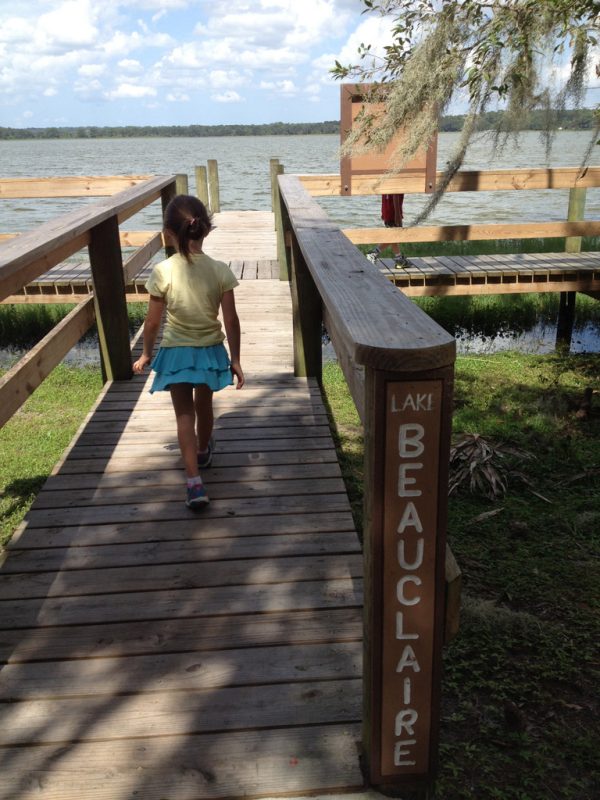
{"points": [[409, 559]]}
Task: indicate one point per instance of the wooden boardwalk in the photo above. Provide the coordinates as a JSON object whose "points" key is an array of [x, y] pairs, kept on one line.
{"points": [[246, 240], [496, 274], [152, 652]]}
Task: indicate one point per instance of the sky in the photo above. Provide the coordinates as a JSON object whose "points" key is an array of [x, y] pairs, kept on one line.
{"points": [[176, 62], [180, 62]]}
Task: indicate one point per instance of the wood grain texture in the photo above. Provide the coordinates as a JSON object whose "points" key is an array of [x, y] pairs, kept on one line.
{"points": [[152, 651], [376, 324]]}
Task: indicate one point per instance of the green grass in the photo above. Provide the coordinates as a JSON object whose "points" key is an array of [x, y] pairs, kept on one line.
{"points": [[34, 439], [22, 325], [520, 697]]}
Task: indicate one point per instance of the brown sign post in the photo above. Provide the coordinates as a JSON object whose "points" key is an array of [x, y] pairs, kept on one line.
{"points": [[354, 100], [407, 457]]}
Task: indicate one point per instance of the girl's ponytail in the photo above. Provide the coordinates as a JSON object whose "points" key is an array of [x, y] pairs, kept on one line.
{"points": [[187, 218]]}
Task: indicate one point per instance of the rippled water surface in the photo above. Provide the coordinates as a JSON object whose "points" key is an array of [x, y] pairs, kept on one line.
{"points": [[244, 174], [244, 182]]}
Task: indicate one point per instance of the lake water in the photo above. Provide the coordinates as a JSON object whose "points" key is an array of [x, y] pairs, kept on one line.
{"points": [[244, 183]]}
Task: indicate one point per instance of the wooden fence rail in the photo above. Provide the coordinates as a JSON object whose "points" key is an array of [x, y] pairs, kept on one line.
{"points": [[399, 366], [26, 257], [464, 181]]}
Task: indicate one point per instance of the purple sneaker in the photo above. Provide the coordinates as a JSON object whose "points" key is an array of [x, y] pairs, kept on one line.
{"points": [[196, 496]]}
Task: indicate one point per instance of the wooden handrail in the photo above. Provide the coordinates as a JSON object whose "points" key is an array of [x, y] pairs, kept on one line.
{"points": [[25, 257], [399, 366], [20, 381], [471, 233], [28, 256], [464, 181], [69, 186], [376, 324]]}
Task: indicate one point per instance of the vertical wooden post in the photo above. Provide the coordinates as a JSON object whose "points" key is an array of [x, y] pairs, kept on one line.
{"points": [[106, 264], [307, 318], [576, 212], [274, 172], [407, 440], [202, 185], [282, 224], [181, 183], [166, 195], [566, 320], [568, 300], [213, 186]]}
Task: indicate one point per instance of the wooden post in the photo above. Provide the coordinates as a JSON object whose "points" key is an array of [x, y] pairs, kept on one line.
{"points": [[576, 212], [181, 183], [274, 172], [202, 185], [111, 308], [281, 226], [566, 320], [568, 300], [307, 318], [213, 186], [166, 195], [407, 442]]}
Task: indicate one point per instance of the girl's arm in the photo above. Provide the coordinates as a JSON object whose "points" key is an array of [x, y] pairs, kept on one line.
{"points": [[156, 306], [232, 331]]}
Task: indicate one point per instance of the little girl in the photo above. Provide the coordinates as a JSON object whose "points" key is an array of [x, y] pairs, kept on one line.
{"points": [[191, 362]]}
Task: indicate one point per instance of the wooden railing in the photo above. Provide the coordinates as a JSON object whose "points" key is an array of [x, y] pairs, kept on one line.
{"points": [[399, 366], [575, 179], [26, 257]]}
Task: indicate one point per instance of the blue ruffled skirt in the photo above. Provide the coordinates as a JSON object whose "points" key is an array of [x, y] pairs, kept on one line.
{"points": [[195, 365]]}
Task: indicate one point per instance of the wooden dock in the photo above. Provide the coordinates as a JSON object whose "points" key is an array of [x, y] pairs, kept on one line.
{"points": [[246, 240], [495, 274], [152, 652]]}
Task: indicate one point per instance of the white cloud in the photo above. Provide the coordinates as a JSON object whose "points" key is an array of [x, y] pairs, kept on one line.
{"points": [[178, 97], [285, 87], [221, 79], [71, 24], [91, 70], [131, 90], [227, 97], [130, 65]]}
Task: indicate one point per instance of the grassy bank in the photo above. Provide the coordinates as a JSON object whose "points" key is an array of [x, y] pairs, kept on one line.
{"points": [[520, 703], [22, 325], [34, 439]]}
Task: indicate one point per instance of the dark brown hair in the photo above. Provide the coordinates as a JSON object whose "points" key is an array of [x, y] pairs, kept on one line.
{"points": [[187, 218]]}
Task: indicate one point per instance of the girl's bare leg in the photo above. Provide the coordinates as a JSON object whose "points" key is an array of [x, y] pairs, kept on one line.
{"points": [[203, 397], [183, 403]]}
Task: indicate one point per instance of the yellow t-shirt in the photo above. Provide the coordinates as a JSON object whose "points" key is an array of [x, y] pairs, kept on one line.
{"points": [[192, 291]]}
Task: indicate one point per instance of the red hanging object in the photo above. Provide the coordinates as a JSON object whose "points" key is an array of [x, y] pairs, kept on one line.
{"points": [[391, 210]]}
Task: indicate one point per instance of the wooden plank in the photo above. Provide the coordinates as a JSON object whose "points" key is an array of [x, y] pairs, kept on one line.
{"points": [[194, 575], [22, 379], [254, 506], [25, 258], [160, 637], [375, 322], [178, 603], [464, 181], [200, 528], [68, 186], [88, 479], [279, 762], [178, 551], [256, 708], [460, 233], [182, 671], [121, 462]]}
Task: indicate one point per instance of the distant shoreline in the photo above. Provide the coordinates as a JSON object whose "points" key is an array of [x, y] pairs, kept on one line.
{"points": [[580, 119]]}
